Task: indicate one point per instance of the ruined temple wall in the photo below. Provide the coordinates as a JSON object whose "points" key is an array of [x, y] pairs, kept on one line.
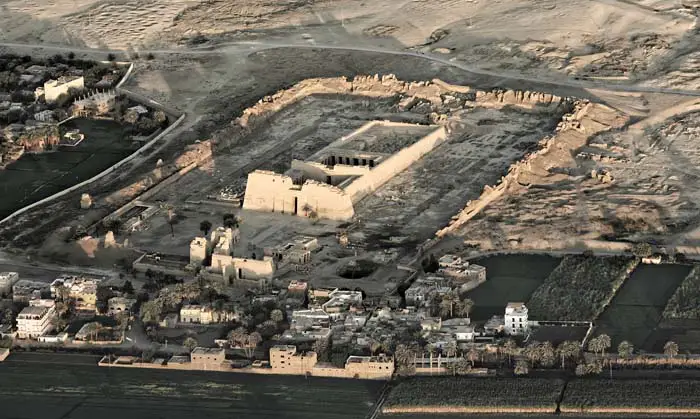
{"points": [[269, 192], [394, 165], [327, 201], [272, 192]]}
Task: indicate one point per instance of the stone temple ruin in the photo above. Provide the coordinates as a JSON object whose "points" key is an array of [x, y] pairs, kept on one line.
{"points": [[330, 183]]}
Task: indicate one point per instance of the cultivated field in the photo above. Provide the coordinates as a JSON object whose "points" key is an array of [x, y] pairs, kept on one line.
{"points": [[473, 395], [73, 387], [636, 310], [36, 176], [580, 287], [657, 397], [509, 278]]}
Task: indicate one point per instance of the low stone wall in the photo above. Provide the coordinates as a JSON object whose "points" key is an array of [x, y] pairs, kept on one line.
{"points": [[226, 367]]}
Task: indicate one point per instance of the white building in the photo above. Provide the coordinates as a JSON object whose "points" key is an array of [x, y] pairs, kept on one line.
{"points": [[460, 329], [55, 88], [307, 319], [516, 319], [44, 116], [7, 280], [35, 320], [198, 250]]}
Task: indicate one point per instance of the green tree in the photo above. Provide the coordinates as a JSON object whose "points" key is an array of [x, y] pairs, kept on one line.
{"points": [[205, 227], [230, 221], [451, 349], [190, 343], [463, 308], [276, 315], [625, 349], [671, 349], [547, 354], [521, 367], [567, 349], [510, 348], [532, 352], [642, 250], [128, 287]]}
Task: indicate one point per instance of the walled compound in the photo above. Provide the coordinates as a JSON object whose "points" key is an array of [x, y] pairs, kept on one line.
{"points": [[329, 183]]}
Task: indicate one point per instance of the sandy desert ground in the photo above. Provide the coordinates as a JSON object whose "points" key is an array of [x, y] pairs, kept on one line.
{"points": [[215, 58]]}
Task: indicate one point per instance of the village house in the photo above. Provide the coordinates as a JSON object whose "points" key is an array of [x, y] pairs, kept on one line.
{"points": [[516, 321], [307, 319], [207, 314], [82, 290], [460, 329], [7, 280], [36, 320], [460, 270], [55, 88], [25, 290], [298, 251], [44, 116], [120, 305]]}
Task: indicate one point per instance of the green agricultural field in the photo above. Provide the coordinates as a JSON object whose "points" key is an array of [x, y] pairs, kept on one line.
{"points": [[635, 312], [36, 176], [509, 278], [496, 394], [630, 396], [685, 302], [580, 287]]}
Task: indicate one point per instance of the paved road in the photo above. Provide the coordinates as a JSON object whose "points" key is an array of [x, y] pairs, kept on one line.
{"points": [[48, 386]]}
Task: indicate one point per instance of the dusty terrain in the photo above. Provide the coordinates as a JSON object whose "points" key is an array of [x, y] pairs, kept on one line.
{"points": [[625, 177]]}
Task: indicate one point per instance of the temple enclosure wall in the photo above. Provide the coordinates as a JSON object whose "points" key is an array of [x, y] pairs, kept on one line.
{"points": [[394, 165]]}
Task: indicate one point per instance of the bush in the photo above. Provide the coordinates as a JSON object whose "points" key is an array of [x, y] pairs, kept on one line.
{"points": [[111, 57]]}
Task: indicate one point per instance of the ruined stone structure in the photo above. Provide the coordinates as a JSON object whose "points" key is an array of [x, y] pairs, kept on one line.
{"points": [[336, 178]]}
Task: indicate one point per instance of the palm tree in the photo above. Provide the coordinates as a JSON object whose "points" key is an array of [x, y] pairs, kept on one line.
{"points": [[276, 315], [532, 352], [594, 345], [521, 367], [451, 349], [306, 208], [567, 349], [190, 343], [671, 349], [237, 336], [205, 227], [447, 305], [547, 355], [509, 348], [604, 341], [625, 349], [464, 307], [251, 343]]}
